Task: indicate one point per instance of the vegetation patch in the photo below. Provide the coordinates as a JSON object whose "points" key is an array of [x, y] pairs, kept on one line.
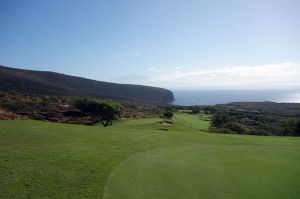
{"points": [[4, 115], [251, 118], [257, 119], [63, 109]]}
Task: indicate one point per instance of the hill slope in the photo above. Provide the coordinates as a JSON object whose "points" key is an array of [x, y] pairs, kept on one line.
{"points": [[50, 83], [283, 109]]}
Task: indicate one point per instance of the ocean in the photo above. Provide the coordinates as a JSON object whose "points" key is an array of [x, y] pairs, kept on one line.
{"points": [[212, 97]]}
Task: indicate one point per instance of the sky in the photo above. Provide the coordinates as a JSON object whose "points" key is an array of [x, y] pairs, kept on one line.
{"points": [[177, 44]]}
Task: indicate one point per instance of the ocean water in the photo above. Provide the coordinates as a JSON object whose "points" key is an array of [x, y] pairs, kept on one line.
{"points": [[212, 97]]}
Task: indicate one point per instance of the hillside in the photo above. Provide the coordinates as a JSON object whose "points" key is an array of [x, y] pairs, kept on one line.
{"points": [[283, 109], [51, 83], [258, 118]]}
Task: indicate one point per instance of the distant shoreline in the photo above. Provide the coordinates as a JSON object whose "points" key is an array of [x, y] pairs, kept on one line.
{"points": [[213, 97]]}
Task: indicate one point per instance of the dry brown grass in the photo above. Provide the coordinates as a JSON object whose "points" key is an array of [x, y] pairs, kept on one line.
{"points": [[4, 115]]}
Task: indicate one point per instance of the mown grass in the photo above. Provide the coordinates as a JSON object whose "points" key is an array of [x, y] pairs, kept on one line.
{"points": [[136, 159]]}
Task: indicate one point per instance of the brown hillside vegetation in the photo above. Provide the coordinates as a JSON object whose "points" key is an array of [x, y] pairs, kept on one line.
{"points": [[61, 109], [4, 115]]}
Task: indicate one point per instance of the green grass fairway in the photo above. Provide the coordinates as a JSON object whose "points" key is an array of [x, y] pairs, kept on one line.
{"points": [[141, 159]]}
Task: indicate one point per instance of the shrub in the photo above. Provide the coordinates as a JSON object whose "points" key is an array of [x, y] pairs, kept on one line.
{"points": [[236, 127], [220, 119], [168, 114]]}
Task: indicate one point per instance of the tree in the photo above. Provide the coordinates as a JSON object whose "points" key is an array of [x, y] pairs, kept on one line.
{"points": [[110, 110], [106, 110], [168, 114]]}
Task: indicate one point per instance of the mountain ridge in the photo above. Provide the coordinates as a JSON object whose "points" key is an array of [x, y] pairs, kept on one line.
{"points": [[53, 83]]}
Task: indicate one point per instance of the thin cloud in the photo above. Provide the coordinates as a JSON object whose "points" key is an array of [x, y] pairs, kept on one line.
{"points": [[283, 75]]}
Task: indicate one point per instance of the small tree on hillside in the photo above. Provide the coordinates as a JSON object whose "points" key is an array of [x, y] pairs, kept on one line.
{"points": [[106, 110], [110, 110], [168, 114]]}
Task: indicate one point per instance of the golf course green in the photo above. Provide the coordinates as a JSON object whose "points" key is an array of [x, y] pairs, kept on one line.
{"points": [[143, 159]]}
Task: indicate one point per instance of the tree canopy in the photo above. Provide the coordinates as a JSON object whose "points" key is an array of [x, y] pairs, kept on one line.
{"points": [[106, 110], [168, 114]]}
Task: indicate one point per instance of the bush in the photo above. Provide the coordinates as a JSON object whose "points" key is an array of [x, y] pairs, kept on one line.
{"points": [[168, 114], [236, 127], [220, 119]]}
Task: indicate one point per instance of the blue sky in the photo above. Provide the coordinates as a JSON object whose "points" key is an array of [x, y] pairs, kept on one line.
{"points": [[174, 44]]}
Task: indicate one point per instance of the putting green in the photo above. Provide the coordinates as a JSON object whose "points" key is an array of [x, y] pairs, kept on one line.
{"points": [[205, 171]]}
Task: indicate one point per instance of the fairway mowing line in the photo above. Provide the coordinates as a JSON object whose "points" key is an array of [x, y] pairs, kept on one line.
{"points": [[106, 189], [147, 153]]}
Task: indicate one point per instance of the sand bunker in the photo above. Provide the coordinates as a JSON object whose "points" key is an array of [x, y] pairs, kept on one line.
{"points": [[166, 123]]}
